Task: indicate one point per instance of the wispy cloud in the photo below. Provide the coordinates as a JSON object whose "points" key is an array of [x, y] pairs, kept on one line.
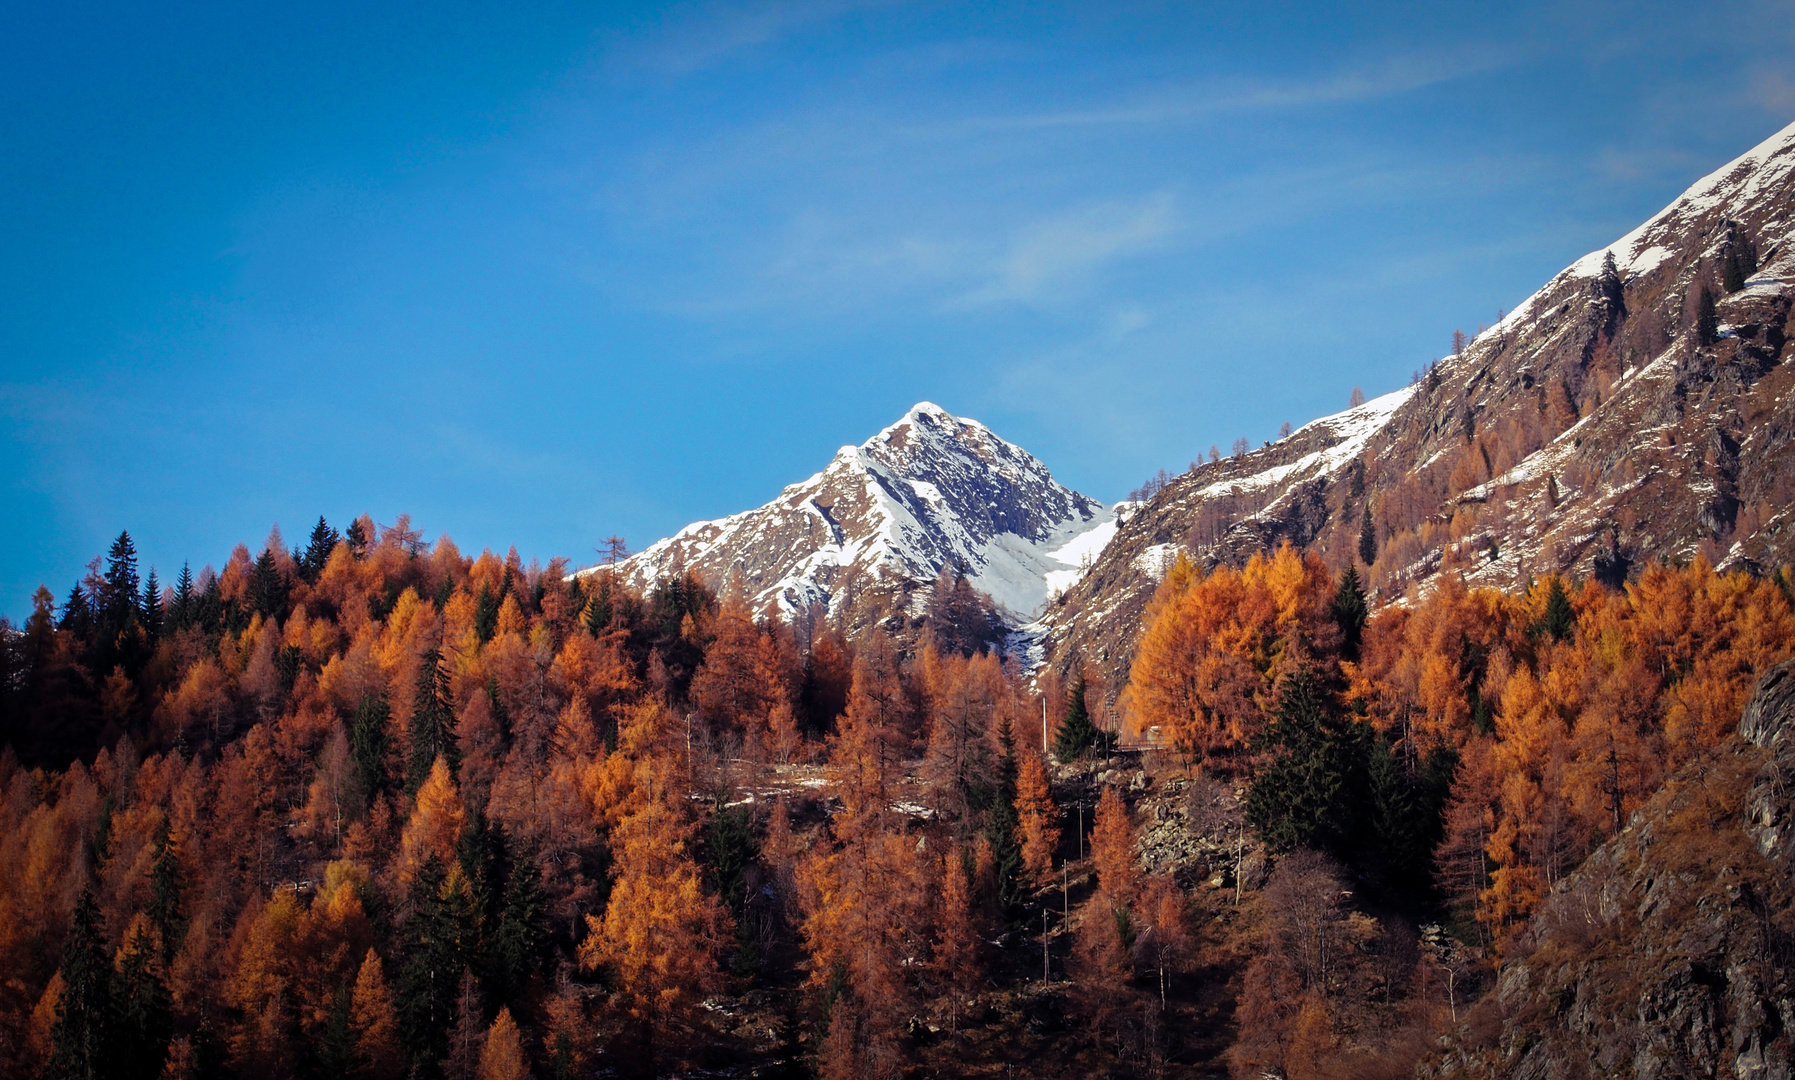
{"points": [[1199, 100], [1065, 250], [701, 35], [1774, 92]]}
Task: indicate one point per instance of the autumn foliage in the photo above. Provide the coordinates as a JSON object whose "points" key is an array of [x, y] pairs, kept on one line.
{"points": [[376, 808]]}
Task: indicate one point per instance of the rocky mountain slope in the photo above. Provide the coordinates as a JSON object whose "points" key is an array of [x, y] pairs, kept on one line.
{"points": [[1602, 423], [868, 534], [1671, 950]]}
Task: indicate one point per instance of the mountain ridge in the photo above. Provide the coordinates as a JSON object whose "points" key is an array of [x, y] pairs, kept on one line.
{"points": [[1600, 424], [862, 537]]}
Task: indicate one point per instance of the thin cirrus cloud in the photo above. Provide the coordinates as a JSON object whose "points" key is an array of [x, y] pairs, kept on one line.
{"points": [[861, 204], [695, 37], [1061, 253], [1190, 102]]}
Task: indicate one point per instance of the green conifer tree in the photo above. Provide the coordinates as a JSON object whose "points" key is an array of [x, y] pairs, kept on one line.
{"points": [[143, 1019], [358, 539], [520, 942], [268, 586], [486, 614], [432, 727], [424, 995], [336, 1044], [1311, 793], [165, 891], [149, 607], [1405, 812], [598, 609], [181, 612], [323, 541], [1367, 539], [370, 742], [1077, 734], [83, 1032], [1350, 611], [1707, 320], [1003, 828], [1559, 619]]}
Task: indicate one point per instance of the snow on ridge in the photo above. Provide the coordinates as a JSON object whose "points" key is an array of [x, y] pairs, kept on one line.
{"points": [[1741, 178], [1353, 428], [930, 491]]}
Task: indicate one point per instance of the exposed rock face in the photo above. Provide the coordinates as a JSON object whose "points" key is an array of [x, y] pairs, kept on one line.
{"points": [[1769, 723], [1595, 427], [1671, 951], [884, 518]]}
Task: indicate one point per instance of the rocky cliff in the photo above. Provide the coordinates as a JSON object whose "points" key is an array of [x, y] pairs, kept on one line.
{"points": [[1671, 951]]}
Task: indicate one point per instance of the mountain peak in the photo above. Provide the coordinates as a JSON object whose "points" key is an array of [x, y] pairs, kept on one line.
{"points": [[930, 492]]}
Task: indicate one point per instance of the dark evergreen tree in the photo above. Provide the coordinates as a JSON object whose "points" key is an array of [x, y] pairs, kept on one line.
{"points": [[370, 743], [501, 718], [358, 539], [598, 609], [268, 586], [1350, 611], [1077, 734], [216, 614], [486, 613], [83, 1031], [323, 541], [1732, 275], [1559, 619], [184, 609], [149, 608], [118, 639], [481, 855], [164, 908], [336, 1044], [143, 1019], [119, 597], [435, 953], [1310, 793], [520, 942], [77, 615], [1002, 827], [432, 727], [1707, 320], [1613, 566], [287, 665], [730, 849], [1367, 539], [1407, 825]]}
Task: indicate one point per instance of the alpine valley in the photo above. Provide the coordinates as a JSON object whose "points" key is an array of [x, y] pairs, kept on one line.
{"points": [[1452, 735]]}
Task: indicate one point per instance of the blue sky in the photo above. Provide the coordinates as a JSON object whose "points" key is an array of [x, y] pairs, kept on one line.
{"points": [[536, 274]]}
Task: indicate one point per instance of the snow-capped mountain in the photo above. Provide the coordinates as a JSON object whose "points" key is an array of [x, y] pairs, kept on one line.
{"points": [[884, 518], [1602, 424]]}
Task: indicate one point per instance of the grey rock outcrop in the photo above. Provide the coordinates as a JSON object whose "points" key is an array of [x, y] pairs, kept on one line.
{"points": [[1671, 951]]}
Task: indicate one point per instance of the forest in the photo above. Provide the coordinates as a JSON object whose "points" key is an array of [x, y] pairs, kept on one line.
{"points": [[373, 808]]}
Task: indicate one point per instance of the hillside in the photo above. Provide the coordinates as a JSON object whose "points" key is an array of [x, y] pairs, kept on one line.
{"points": [[1669, 952], [1600, 425]]}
